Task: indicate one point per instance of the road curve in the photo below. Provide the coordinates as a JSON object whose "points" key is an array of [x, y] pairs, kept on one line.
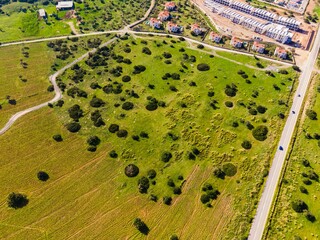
{"points": [[58, 93], [265, 204]]}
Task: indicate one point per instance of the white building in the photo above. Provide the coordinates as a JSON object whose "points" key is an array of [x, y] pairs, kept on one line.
{"points": [[269, 16], [64, 5], [42, 13], [246, 8], [256, 26], [280, 33], [288, 22]]}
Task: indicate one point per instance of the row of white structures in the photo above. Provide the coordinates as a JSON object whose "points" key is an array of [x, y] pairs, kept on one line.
{"points": [[274, 31], [291, 23]]}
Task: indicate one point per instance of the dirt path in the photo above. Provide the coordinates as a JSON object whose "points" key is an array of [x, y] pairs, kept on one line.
{"points": [[73, 28]]}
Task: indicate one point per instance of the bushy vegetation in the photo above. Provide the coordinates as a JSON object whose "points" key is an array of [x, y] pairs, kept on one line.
{"points": [[17, 200]]}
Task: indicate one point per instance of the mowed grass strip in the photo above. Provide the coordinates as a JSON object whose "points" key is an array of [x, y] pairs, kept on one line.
{"points": [[88, 194], [28, 86]]}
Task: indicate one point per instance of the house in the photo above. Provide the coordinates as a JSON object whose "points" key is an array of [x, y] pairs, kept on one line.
{"points": [[42, 13], [65, 5], [236, 42], [164, 15], [170, 6], [195, 28], [243, 7], [215, 37], [155, 23], [258, 47], [281, 53], [172, 27]]}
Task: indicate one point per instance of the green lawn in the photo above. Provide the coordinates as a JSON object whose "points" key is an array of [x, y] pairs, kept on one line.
{"points": [[88, 195], [286, 223]]}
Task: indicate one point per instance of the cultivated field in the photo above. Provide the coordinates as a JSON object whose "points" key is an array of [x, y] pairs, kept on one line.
{"points": [[195, 105], [300, 180]]}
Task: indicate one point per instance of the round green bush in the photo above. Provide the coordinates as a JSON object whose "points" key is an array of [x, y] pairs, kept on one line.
{"points": [[93, 140], [113, 128], [260, 133], [57, 138], [203, 67], [122, 133], [229, 104], [126, 78], [166, 156], [253, 111], [177, 190], [229, 169], [151, 174], [113, 154], [231, 92], [152, 106], [167, 200], [127, 106], [42, 176], [17, 200], [131, 170], [204, 198], [92, 148], [246, 144], [73, 127], [299, 206]]}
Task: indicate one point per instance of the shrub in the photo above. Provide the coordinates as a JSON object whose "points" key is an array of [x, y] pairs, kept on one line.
{"points": [[261, 109], [213, 194], [131, 170], [219, 173], [146, 51], [174, 237], [167, 55], [311, 114], [139, 69], [151, 106], [173, 88], [17, 200], [127, 106], [231, 91], [166, 156], [143, 185], [93, 141], [229, 169], [167, 200], [167, 62], [113, 154], [73, 127], [299, 206], [305, 162], [210, 93], [203, 67], [141, 226], [126, 78], [229, 104], [122, 133], [206, 187], [153, 198], [135, 137], [113, 128], [303, 190], [151, 174], [313, 176], [296, 68], [307, 181], [260, 133], [50, 88], [195, 151], [191, 156], [246, 144], [96, 102], [170, 183], [177, 190], [57, 138], [92, 148], [283, 71], [310, 216], [204, 198], [75, 112], [200, 46], [42, 176], [253, 111]]}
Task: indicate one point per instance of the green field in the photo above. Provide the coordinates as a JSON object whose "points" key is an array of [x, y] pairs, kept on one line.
{"points": [[88, 194], [286, 223]]}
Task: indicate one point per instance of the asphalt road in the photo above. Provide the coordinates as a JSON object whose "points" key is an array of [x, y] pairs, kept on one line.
{"points": [[264, 206]]}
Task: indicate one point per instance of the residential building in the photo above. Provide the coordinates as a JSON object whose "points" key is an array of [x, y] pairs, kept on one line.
{"points": [[236, 42], [65, 5], [258, 47], [281, 53], [214, 7], [224, 2], [170, 6], [215, 37], [280, 33], [175, 28], [164, 15], [255, 26], [195, 28], [291, 23], [243, 7], [233, 16], [155, 23], [269, 16], [42, 13]]}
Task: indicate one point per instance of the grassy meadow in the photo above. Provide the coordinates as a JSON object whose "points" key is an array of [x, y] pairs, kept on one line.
{"points": [[88, 196], [286, 223]]}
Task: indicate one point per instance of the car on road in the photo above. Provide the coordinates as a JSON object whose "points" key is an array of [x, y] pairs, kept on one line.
{"points": [[281, 148], [293, 112]]}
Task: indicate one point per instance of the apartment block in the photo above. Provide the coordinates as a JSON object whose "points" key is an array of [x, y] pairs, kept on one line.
{"points": [[288, 22], [266, 15], [243, 7]]}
